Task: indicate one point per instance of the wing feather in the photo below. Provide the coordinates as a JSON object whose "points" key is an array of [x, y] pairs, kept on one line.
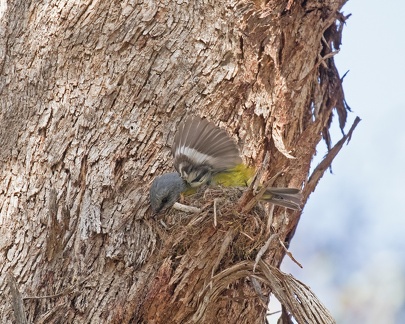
{"points": [[202, 143]]}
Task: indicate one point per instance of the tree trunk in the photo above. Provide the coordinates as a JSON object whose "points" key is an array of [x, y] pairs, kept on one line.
{"points": [[91, 94]]}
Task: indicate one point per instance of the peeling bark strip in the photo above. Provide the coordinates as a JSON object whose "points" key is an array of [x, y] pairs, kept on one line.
{"points": [[17, 302], [327, 161], [91, 93]]}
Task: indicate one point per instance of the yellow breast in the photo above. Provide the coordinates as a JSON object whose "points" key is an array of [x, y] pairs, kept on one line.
{"points": [[239, 176]]}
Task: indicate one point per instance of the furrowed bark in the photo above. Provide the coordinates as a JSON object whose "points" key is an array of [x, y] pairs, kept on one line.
{"points": [[91, 93]]}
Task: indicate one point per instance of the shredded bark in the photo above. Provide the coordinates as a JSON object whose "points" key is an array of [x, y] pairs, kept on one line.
{"points": [[211, 260]]}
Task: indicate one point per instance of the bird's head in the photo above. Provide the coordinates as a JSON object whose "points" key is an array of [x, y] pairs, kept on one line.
{"points": [[166, 190]]}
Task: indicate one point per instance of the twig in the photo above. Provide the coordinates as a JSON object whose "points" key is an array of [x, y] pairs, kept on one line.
{"points": [[215, 212], [273, 313], [259, 292], [327, 161], [263, 250], [249, 237], [67, 291], [186, 209], [259, 195], [270, 215], [290, 254]]}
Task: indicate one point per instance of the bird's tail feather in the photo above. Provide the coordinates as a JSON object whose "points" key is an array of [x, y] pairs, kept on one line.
{"points": [[286, 197]]}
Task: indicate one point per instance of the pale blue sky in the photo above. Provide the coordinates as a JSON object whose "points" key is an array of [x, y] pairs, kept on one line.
{"points": [[351, 237]]}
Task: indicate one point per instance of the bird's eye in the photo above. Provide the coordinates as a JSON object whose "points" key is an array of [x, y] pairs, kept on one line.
{"points": [[165, 200]]}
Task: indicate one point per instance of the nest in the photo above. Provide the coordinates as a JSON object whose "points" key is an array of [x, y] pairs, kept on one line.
{"points": [[219, 211], [221, 251]]}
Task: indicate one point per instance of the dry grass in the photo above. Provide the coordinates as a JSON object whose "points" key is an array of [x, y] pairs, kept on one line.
{"points": [[230, 259]]}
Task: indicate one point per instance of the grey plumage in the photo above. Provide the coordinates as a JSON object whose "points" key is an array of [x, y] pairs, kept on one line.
{"points": [[166, 190], [200, 149]]}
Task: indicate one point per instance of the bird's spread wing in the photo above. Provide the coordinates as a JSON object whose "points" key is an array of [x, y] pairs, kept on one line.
{"points": [[201, 146]]}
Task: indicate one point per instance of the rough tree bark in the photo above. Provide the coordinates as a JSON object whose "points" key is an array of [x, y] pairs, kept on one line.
{"points": [[91, 93]]}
